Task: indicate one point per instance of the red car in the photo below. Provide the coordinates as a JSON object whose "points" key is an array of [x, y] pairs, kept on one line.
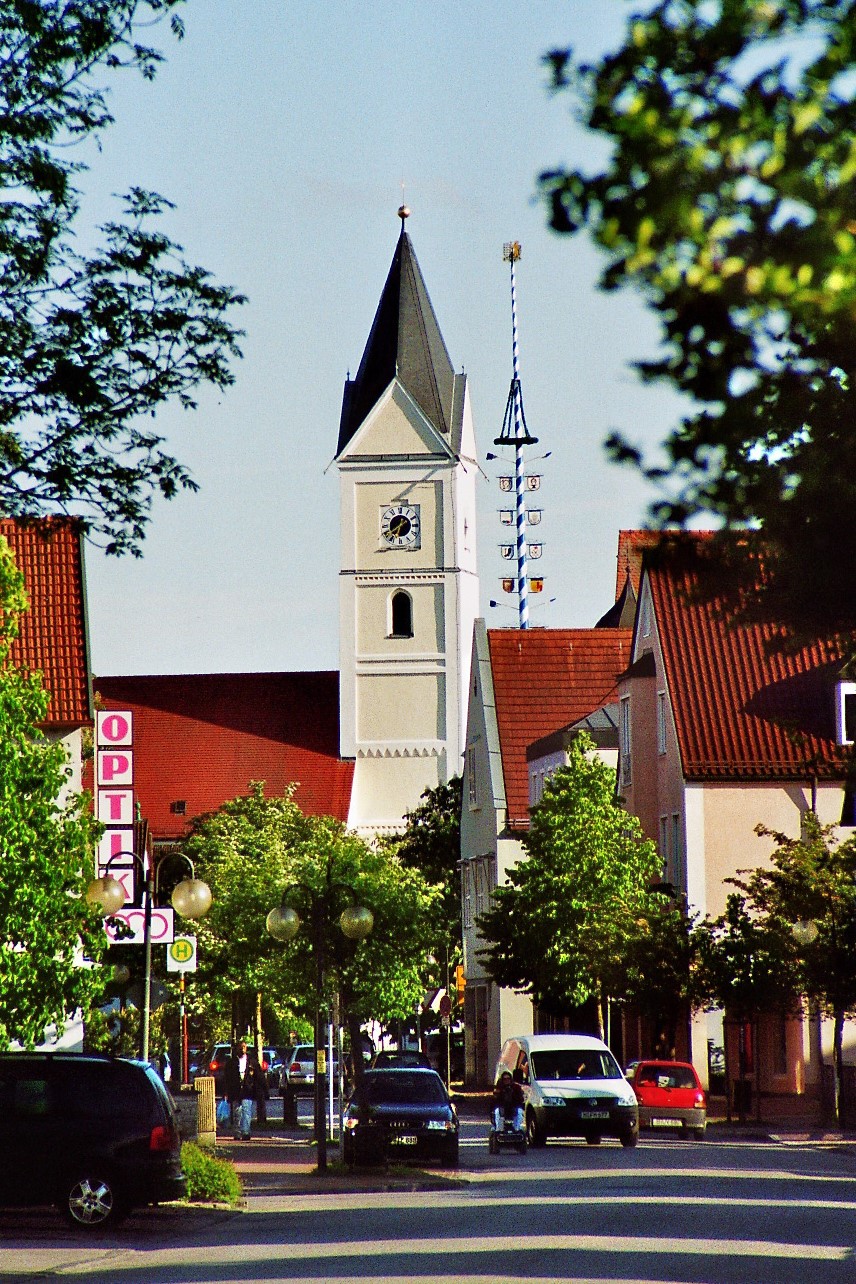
{"points": [[670, 1095]]}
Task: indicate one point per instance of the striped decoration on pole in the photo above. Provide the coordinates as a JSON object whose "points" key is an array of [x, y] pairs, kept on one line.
{"points": [[515, 433]]}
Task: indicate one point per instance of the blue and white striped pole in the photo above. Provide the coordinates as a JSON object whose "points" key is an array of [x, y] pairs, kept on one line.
{"points": [[511, 253], [515, 433]]}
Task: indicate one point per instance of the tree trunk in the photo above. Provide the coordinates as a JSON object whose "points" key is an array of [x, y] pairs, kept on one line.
{"points": [[355, 1034], [838, 1062], [600, 1006], [257, 1032]]}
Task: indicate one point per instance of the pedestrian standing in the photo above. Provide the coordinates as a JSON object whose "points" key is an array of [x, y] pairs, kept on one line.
{"points": [[243, 1075]]}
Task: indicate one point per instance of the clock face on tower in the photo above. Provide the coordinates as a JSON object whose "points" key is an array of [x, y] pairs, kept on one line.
{"points": [[400, 526]]}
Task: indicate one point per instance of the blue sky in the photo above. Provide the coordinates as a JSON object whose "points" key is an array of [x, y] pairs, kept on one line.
{"points": [[283, 133]]}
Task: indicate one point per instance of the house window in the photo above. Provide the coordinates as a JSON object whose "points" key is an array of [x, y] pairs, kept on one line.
{"points": [[677, 860], [661, 722], [401, 615], [845, 713], [472, 781], [664, 841], [624, 739], [179, 807]]}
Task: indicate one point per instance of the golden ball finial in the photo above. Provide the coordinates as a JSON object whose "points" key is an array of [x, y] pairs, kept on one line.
{"points": [[403, 212]]}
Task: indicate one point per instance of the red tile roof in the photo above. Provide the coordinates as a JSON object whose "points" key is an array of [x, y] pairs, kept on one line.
{"points": [[544, 679], [742, 709], [52, 637], [201, 738]]}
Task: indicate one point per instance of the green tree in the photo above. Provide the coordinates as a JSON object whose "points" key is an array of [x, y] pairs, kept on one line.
{"points": [[431, 844], [659, 965], [745, 965], [256, 849], [92, 341], [560, 928], [727, 200], [812, 882], [47, 844]]}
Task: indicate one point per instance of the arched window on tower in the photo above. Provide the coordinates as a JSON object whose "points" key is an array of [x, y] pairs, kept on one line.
{"points": [[401, 615]]}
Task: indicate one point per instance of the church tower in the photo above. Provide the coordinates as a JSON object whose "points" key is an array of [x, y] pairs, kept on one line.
{"points": [[408, 581]]}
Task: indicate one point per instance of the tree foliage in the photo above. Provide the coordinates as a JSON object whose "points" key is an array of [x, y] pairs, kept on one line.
{"points": [[47, 844], [92, 341], [812, 881], [256, 850], [560, 929], [728, 202], [431, 844]]}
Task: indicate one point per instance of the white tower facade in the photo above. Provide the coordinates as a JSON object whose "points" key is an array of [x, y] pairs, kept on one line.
{"points": [[409, 593]]}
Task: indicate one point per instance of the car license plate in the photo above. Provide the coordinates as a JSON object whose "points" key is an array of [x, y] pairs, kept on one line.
{"points": [[594, 1114], [407, 1140], [665, 1123]]}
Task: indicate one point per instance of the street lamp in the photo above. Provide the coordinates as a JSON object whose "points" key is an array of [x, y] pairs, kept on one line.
{"points": [[283, 924], [191, 898]]}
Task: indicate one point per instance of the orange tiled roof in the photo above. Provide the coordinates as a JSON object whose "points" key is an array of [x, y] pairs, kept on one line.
{"points": [[741, 709], [544, 679], [52, 637], [201, 738]]}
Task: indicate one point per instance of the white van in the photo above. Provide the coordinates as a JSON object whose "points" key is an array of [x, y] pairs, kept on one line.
{"points": [[573, 1087]]}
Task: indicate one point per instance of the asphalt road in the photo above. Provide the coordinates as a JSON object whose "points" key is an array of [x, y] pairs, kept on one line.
{"points": [[718, 1212]]}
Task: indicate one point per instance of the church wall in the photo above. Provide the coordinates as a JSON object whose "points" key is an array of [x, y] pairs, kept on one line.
{"points": [[392, 785], [373, 619], [387, 712], [371, 497]]}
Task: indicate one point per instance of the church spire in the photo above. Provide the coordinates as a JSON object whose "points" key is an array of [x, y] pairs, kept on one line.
{"points": [[404, 343]]}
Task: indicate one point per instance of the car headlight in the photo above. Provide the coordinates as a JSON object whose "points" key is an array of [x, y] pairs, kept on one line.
{"points": [[553, 1101], [439, 1125], [351, 1122]]}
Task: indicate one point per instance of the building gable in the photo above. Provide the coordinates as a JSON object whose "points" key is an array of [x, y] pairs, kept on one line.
{"points": [[544, 679]]}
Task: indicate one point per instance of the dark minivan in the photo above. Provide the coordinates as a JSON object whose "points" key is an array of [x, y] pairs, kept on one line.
{"points": [[95, 1135]]}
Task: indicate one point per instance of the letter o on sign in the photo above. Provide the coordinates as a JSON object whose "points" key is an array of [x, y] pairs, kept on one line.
{"points": [[114, 728]]}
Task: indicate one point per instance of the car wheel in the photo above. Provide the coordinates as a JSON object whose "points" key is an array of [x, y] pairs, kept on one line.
{"points": [[451, 1157], [593, 1139], [521, 1146], [629, 1139], [699, 1133], [492, 1143], [535, 1133], [91, 1200]]}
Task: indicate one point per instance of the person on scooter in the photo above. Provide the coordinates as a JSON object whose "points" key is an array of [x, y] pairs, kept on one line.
{"points": [[507, 1102]]}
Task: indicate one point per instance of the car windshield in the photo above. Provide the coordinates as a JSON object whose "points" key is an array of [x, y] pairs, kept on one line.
{"points": [[403, 1087], [666, 1076], [573, 1063]]}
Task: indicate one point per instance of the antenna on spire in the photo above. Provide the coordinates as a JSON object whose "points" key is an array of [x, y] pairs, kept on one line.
{"points": [[516, 435]]}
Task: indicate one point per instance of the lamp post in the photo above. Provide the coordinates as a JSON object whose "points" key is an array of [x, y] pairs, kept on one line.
{"points": [[355, 922], [191, 898]]}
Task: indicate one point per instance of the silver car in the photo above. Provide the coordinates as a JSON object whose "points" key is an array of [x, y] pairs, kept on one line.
{"points": [[298, 1070]]}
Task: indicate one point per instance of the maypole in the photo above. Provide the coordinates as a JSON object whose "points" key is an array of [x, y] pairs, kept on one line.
{"points": [[516, 435]]}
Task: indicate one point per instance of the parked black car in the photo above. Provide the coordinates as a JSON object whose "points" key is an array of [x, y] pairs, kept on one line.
{"points": [[401, 1059], [95, 1135], [400, 1114]]}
